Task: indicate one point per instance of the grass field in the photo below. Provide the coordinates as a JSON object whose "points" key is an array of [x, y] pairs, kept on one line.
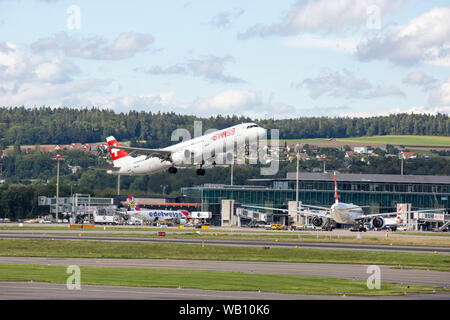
{"points": [[405, 140], [126, 250], [211, 280], [399, 239], [289, 237]]}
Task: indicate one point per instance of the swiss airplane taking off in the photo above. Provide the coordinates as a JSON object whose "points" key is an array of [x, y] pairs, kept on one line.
{"points": [[195, 151], [177, 216], [343, 213]]}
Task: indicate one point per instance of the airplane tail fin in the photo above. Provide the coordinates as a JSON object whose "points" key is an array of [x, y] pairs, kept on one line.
{"points": [[336, 197], [116, 154], [133, 204]]}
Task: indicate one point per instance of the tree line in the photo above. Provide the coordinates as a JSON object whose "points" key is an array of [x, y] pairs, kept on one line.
{"points": [[45, 125]]}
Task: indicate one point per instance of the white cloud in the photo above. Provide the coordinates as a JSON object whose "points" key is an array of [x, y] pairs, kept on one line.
{"points": [[335, 84], [440, 97], [241, 102], [226, 18], [424, 39], [124, 46], [382, 91], [428, 110], [420, 79], [35, 79], [322, 15], [345, 85], [229, 102], [209, 67], [37, 94], [347, 45], [17, 65], [147, 102]]}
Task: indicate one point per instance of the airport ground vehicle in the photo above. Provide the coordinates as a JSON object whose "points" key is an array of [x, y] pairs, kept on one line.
{"points": [[276, 226]]}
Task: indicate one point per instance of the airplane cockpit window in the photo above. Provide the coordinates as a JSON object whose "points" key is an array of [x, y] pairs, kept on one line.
{"points": [[252, 126]]}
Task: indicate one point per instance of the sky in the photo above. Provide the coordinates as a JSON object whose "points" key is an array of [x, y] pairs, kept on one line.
{"points": [[257, 58]]}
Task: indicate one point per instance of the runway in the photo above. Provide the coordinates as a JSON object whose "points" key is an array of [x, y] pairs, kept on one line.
{"points": [[50, 291], [343, 271], [317, 245]]}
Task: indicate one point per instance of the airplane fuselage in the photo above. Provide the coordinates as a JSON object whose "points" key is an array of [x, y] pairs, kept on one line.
{"points": [[345, 213], [157, 215], [192, 151]]}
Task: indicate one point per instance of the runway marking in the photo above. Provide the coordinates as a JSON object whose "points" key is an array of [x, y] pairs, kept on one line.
{"points": [[191, 291]]}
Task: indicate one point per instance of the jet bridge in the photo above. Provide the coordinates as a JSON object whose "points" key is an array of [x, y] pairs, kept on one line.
{"points": [[254, 216]]}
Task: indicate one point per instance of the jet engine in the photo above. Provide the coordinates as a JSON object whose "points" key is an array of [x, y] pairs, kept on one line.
{"points": [[317, 222], [378, 222], [224, 158], [180, 221], [183, 157]]}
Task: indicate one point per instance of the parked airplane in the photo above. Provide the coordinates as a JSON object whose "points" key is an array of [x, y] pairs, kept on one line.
{"points": [[392, 223], [153, 216], [195, 151], [340, 212]]}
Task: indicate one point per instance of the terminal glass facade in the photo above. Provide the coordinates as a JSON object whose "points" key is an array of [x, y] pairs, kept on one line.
{"points": [[379, 196]]}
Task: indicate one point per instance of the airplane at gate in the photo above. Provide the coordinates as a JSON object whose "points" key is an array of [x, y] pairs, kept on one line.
{"points": [[195, 151], [344, 213], [153, 216]]}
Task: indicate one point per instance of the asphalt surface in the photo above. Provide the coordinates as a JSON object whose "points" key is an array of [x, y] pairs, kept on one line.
{"points": [[50, 291], [341, 246], [343, 271]]}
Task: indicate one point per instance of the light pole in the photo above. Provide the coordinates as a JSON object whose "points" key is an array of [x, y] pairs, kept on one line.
{"points": [[57, 158], [232, 169], [296, 183]]}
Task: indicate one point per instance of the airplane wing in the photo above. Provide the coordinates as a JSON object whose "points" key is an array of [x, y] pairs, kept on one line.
{"points": [[368, 216], [157, 153], [315, 207], [105, 168], [309, 213], [267, 208]]}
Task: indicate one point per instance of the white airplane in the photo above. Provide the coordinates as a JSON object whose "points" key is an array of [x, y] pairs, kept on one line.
{"points": [[340, 212], [393, 223], [195, 151], [153, 216]]}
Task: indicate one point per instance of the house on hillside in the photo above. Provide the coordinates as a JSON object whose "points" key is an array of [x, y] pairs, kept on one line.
{"points": [[363, 150], [351, 154], [408, 155]]}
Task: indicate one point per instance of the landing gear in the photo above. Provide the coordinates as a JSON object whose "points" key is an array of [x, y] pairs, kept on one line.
{"points": [[173, 170], [201, 172], [358, 228]]}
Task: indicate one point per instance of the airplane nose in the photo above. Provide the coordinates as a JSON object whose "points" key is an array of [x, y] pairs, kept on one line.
{"points": [[262, 133]]}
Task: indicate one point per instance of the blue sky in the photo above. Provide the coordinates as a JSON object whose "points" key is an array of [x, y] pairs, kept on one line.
{"points": [[263, 59]]}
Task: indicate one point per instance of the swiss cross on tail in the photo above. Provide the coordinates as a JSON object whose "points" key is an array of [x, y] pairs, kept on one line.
{"points": [[336, 198], [133, 203], [115, 153]]}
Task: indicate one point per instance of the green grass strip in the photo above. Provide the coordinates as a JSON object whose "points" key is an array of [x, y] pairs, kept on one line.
{"points": [[136, 250], [210, 280]]}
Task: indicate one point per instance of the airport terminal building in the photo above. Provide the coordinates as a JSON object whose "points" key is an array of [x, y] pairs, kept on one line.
{"points": [[379, 191]]}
